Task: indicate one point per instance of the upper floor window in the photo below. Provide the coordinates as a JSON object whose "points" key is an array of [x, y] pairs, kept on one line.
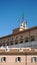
{"points": [[33, 59], [1, 41], [11, 38], [26, 39], [3, 59], [16, 41], [32, 38], [16, 37], [4, 44], [11, 43], [7, 44], [18, 59], [21, 37], [5, 41], [21, 41], [0, 44], [8, 39]]}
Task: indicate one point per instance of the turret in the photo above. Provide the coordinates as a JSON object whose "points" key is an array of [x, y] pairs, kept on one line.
{"points": [[23, 24]]}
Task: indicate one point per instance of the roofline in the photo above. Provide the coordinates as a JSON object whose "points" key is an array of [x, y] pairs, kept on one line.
{"points": [[13, 34]]}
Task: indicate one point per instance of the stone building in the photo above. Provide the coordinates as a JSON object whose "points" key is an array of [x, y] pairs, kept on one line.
{"points": [[24, 56], [20, 47], [21, 37]]}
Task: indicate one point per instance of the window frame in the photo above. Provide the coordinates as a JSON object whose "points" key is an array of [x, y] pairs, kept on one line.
{"points": [[33, 59], [32, 38], [18, 59], [26, 39], [3, 59]]}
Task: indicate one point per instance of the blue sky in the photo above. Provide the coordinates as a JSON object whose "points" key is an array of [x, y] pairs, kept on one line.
{"points": [[11, 14]]}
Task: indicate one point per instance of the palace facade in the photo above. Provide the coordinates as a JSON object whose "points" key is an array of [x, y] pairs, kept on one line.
{"points": [[24, 56], [21, 37], [20, 47]]}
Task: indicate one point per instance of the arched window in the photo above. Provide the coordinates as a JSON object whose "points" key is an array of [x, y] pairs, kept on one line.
{"points": [[18, 59], [3, 59]]}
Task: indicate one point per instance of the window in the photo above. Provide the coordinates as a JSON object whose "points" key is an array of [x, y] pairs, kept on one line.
{"points": [[32, 38], [21, 41], [33, 59], [5, 41], [1, 41], [3, 59], [0, 44], [3, 44], [7, 44], [18, 59], [26, 39], [16, 37], [21, 36], [11, 43], [8, 39], [11, 38], [16, 41]]}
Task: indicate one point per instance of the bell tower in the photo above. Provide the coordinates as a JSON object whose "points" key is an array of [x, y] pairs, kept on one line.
{"points": [[23, 24]]}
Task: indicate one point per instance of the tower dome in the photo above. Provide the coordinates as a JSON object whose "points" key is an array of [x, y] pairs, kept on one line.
{"points": [[23, 26]]}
